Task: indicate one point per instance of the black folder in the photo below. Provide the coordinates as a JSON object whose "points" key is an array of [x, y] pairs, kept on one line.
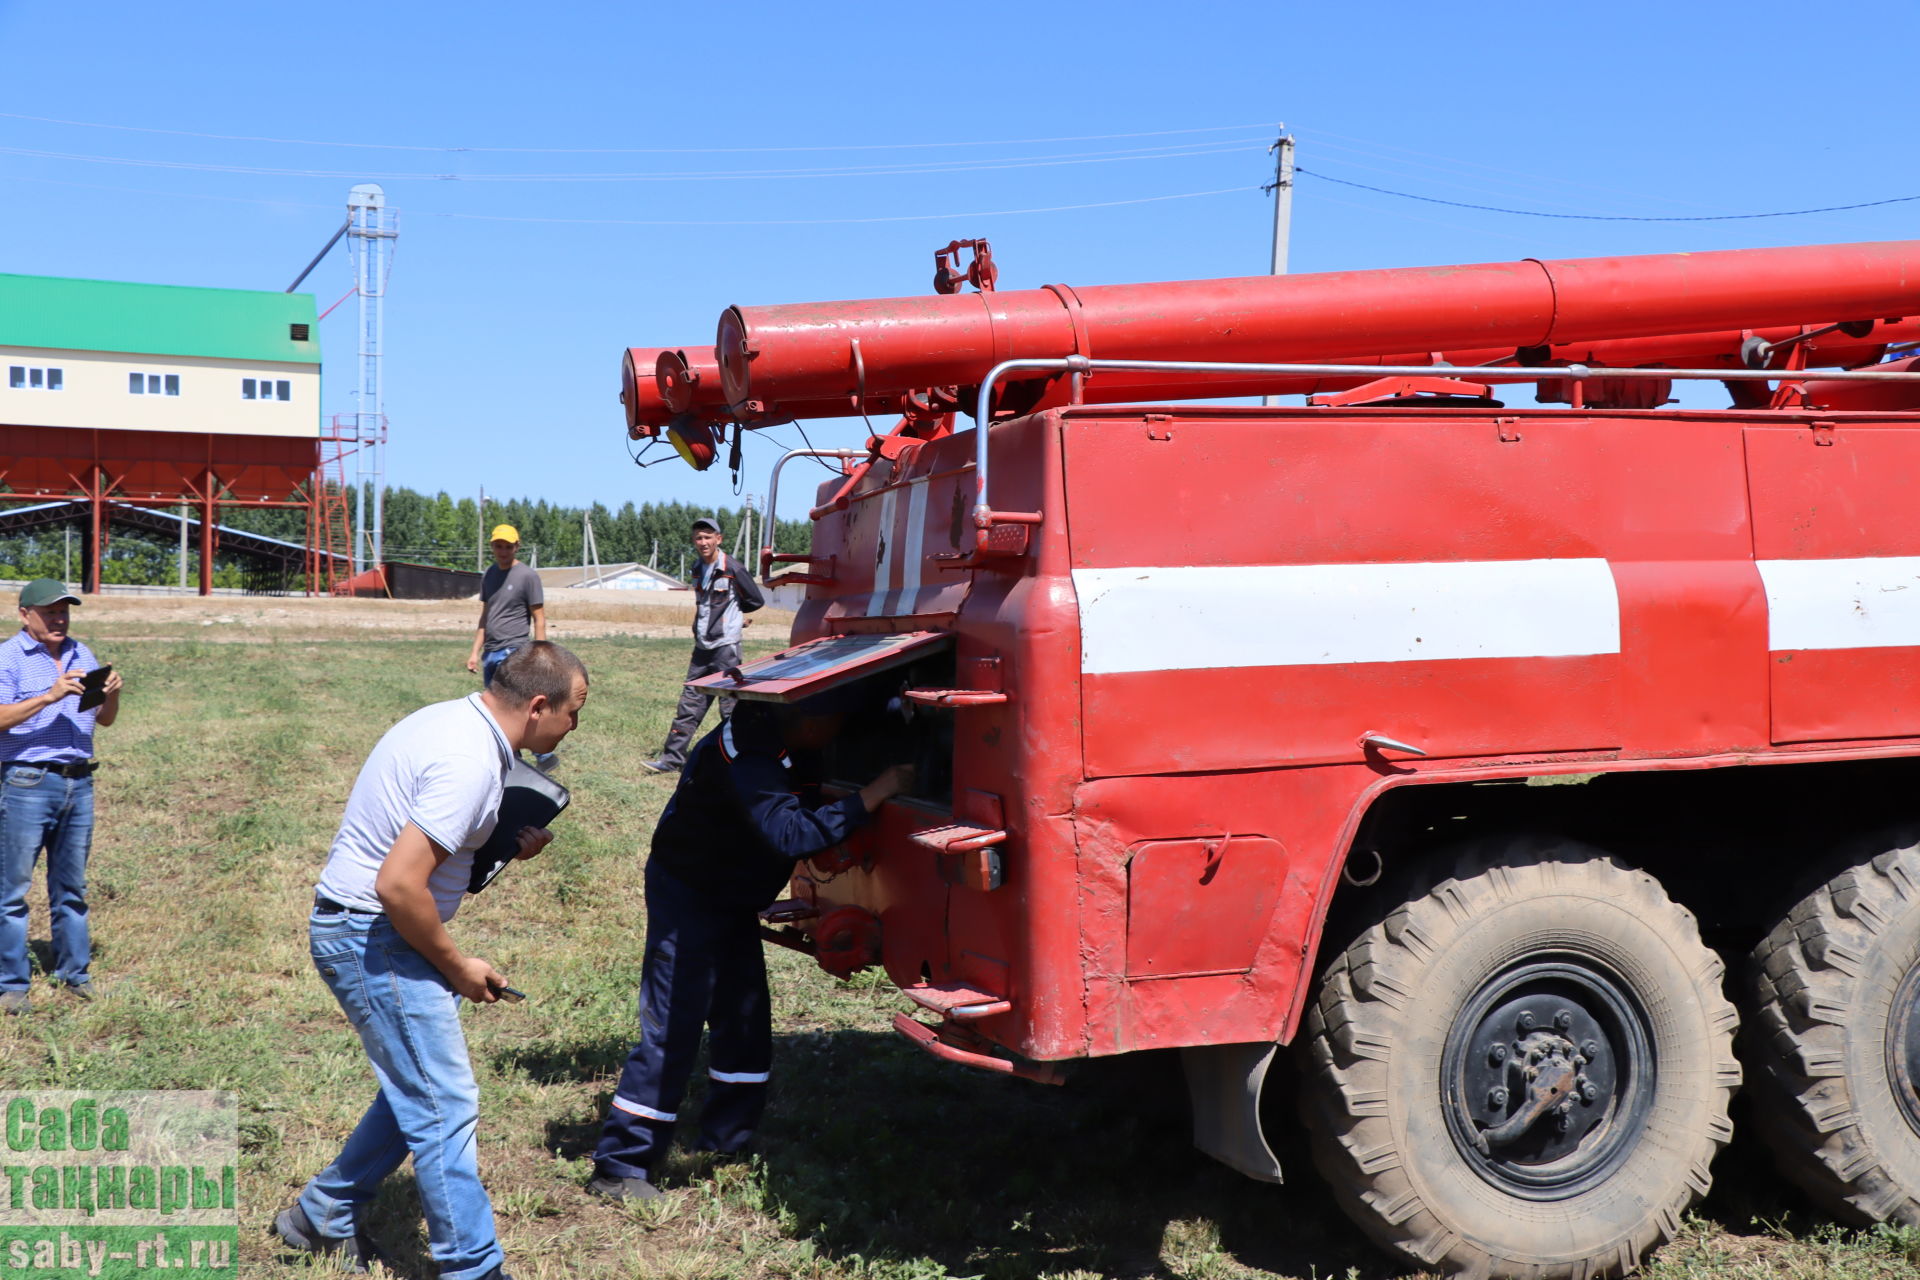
{"points": [[531, 799], [93, 687]]}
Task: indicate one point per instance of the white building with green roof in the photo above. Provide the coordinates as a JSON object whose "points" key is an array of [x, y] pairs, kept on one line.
{"points": [[152, 357]]}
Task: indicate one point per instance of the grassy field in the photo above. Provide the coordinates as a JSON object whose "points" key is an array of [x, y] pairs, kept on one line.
{"points": [[225, 777]]}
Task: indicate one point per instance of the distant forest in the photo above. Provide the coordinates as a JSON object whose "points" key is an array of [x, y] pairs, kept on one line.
{"points": [[421, 529]]}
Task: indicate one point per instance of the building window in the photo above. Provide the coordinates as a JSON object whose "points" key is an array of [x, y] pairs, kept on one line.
{"points": [[265, 389], [27, 378], [153, 384]]}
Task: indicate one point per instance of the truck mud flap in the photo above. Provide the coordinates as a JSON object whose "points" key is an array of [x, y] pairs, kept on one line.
{"points": [[1224, 1082]]}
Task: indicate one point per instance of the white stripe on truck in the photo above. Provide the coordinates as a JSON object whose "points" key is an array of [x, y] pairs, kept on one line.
{"points": [[1872, 602], [1213, 616]]}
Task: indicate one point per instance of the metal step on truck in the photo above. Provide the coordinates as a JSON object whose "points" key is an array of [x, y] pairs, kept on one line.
{"points": [[1499, 764]]}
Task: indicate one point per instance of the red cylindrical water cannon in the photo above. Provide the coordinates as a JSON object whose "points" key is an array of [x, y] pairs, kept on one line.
{"points": [[647, 409], [687, 383], [827, 351], [682, 375]]}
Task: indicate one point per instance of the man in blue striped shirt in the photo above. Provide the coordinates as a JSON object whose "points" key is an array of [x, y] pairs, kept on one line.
{"points": [[46, 786]]}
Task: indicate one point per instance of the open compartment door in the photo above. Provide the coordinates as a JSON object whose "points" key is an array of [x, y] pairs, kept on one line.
{"points": [[820, 665]]}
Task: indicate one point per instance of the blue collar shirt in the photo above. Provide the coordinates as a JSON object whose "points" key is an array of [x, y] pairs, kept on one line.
{"points": [[61, 733]]}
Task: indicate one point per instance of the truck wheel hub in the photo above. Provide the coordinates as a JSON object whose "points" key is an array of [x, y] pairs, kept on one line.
{"points": [[1548, 1076]]}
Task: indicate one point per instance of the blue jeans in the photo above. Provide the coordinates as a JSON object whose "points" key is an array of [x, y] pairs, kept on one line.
{"points": [[41, 810], [490, 663], [408, 1018]]}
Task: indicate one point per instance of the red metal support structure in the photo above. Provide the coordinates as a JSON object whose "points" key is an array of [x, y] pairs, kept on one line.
{"points": [[208, 470], [208, 513], [329, 519], [96, 529]]}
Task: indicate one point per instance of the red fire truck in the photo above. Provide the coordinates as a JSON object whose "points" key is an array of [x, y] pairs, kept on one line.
{"points": [[1496, 762]]}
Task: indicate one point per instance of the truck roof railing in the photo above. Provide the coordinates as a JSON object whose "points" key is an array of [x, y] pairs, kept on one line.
{"points": [[985, 518]]}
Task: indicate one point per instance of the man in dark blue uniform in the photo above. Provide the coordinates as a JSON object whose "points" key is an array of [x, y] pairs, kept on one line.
{"points": [[722, 852]]}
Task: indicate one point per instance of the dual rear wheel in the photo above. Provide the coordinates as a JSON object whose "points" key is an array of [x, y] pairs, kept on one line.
{"points": [[1524, 1069]]}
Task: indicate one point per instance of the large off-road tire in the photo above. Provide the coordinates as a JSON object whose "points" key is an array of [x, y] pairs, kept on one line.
{"points": [[1523, 950], [1835, 1035]]}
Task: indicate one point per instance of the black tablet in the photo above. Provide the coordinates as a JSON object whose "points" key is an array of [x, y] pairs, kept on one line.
{"points": [[93, 687], [532, 799]]}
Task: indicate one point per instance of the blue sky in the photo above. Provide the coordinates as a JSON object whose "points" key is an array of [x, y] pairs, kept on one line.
{"points": [[798, 152]]}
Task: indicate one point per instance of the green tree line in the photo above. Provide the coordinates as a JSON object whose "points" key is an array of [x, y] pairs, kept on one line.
{"points": [[420, 529], [444, 531]]}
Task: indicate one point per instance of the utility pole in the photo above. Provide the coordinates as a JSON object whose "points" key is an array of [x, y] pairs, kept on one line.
{"points": [[589, 549], [1282, 189], [743, 540], [480, 534]]}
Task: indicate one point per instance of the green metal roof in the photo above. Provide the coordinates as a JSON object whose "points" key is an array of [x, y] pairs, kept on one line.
{"points": [[155, 319]]}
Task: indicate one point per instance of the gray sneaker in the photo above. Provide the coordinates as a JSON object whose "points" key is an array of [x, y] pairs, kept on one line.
{"points": [[14, 1002], [659, 766], [623, 1188], [81, 990]]}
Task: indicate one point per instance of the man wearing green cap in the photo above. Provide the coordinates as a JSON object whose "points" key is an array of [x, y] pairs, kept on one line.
{"points": [[46, 786]]}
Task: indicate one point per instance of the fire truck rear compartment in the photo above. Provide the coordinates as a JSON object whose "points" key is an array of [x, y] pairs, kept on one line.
{"points": [[887, 728]]}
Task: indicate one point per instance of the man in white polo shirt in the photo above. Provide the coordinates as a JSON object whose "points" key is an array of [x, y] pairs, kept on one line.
{"points": [[427, 797]]}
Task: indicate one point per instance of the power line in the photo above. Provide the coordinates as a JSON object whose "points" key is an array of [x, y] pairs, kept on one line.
{"points": [[1396, 211], [1453, 164], [1491, 188], [1612, 217], [1181, 151], [634, 151], [825, 222], [658, 222]]}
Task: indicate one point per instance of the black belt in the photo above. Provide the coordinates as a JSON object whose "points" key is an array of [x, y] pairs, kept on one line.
{"points": [[71, 769], [327, 906]]}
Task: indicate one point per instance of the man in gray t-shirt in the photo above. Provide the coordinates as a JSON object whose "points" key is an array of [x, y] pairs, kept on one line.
{"points": [[512, 607]]}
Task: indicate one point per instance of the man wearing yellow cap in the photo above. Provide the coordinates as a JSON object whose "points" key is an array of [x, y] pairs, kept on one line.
{"points": [[513, 610]]}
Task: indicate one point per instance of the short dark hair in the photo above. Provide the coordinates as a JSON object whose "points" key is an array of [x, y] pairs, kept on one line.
{"points": [[541, 667]]}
